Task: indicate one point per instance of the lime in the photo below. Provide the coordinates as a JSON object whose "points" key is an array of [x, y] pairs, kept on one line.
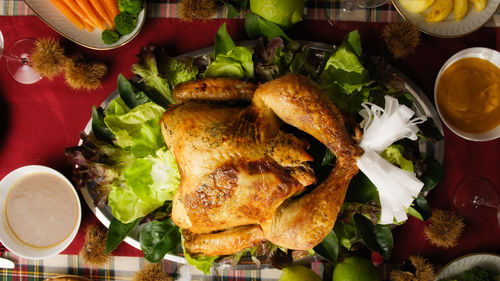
{"points": [[298, 273], [282, 12], [355, 269]]}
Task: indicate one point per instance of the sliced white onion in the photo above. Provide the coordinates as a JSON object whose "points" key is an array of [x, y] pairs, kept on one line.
{"points": [[382, 127], [397, 188]]}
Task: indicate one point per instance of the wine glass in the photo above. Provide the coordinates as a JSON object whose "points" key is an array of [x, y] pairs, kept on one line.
{"points": [[475, 197], [1, 43], [348, 6], [369, 4], [18, 60]]}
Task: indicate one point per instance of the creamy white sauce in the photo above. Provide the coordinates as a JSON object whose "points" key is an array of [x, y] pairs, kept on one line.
{"points": [[41, 209]]}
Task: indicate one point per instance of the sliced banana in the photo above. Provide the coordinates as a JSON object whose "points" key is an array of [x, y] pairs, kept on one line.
{"points": [[459, 9], [479, 4], [416, 6], [440, 10]]}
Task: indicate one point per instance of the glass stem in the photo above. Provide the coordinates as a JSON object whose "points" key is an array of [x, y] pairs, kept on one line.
{"points": [[479, 201], [348, 6], [24, 60]]}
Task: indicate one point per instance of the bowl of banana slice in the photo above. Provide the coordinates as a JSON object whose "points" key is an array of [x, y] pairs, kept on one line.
{"points": [[447, 18]]}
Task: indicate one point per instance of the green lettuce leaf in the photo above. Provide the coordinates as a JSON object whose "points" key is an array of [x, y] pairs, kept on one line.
{"points": [[230, 60], [117, 107], [202, 263], [351, 103], [353, 41], [147, 68], [237, 63], [126, 206], [180, 71], [223, 41], [344, 79], [147, 183], [256, 26], [394, 155], [165, 175], [161, 73], [344, 65], [137, 129]]}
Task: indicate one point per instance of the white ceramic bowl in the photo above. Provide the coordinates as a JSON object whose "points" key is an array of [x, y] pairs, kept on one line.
{"points": [[455, 269], [490, 55], [92, 40], [7, 237], [449, 27]]}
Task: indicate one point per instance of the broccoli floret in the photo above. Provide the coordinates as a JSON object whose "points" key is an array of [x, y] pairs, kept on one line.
{"points": [[110, 36], [133, 7], [125, 23], [477, 274]]}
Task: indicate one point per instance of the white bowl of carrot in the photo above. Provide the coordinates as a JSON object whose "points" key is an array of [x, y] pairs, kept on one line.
{"points": [[82, 21]]}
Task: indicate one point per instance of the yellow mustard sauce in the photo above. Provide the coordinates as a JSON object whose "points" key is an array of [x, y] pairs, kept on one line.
{"points": [[468, 95]]}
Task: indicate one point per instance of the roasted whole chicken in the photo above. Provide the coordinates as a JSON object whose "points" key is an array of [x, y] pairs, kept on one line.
{"points": [[243, 179]]}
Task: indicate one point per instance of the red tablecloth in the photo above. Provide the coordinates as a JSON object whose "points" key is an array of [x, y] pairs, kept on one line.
{"points": [[38, 121]]}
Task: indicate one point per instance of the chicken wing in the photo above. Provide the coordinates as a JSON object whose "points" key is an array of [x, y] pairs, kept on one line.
{"points": [[215, 88]]}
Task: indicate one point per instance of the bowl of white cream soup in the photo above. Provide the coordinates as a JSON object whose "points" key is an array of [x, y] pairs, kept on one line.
{"points": [[40, 212]]}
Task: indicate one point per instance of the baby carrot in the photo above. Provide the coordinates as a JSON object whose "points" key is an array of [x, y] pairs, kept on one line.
{"points": [[87, 8], [102, 12], [88, 26], [59, 4], [75, 8], [87, 23], [111, 7]]}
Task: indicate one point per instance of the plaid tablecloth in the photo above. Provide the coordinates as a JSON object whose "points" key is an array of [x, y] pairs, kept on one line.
{"points": [[124, 268], [315, 9], [119, 268]]}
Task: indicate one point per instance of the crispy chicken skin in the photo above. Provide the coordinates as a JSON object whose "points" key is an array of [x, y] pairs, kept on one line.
{"points": [[216, 244], [239, 171], [220, 89]]}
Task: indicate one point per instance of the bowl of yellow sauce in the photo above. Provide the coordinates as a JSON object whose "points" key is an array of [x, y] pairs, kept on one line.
{"points": [[40, 212], [467, 94]]}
